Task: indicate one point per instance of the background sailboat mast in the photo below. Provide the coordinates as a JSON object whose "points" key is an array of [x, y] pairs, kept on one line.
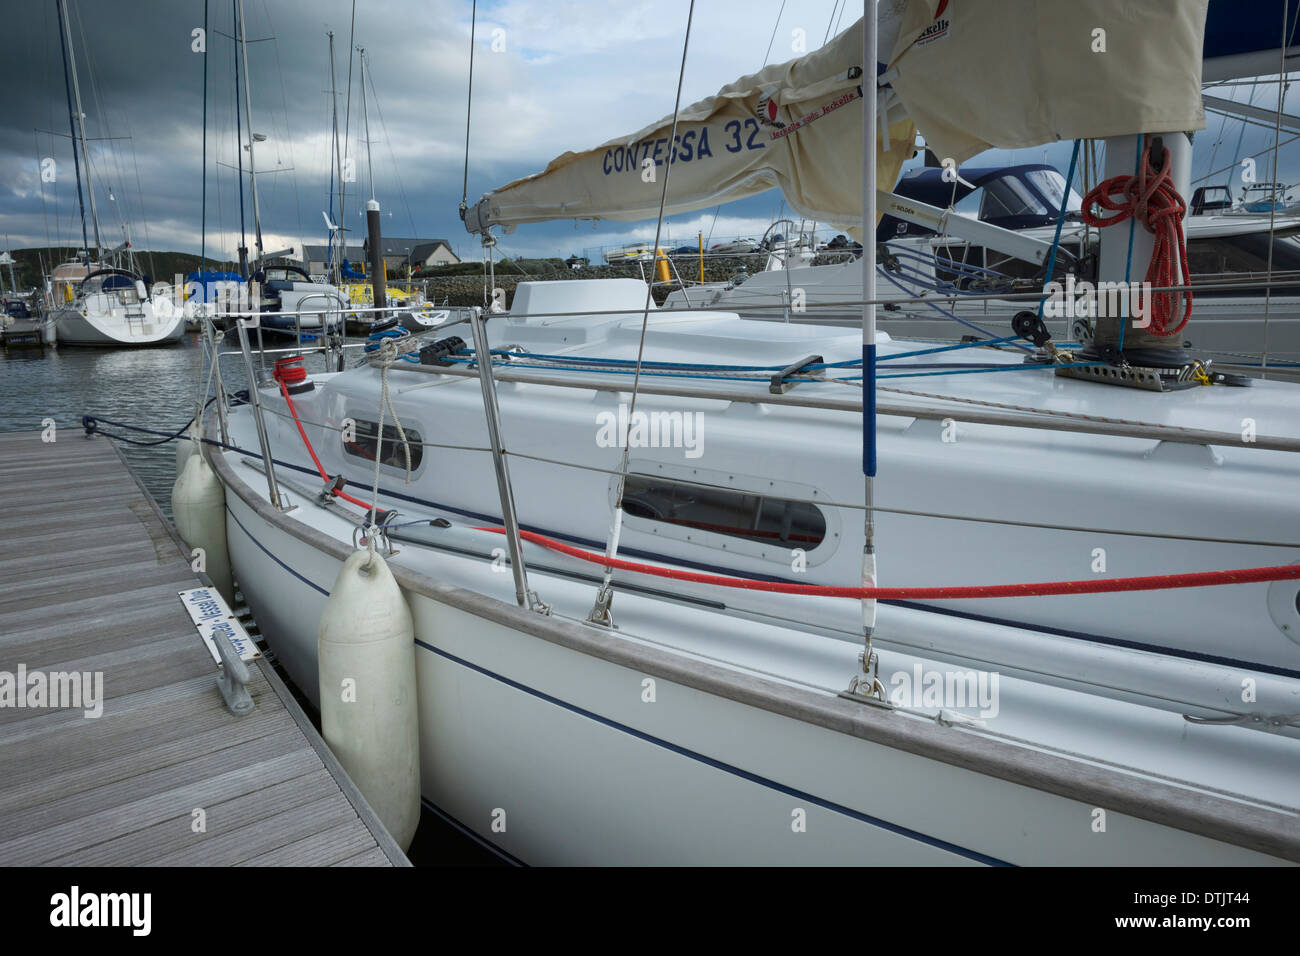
{"points": [[378, 280], [337, 236], [70, 60], [203, 215], [347, 130], [72, 128], [248, 118], [365, 120]]}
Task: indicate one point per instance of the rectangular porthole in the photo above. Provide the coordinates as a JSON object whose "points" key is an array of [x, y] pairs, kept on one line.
{"points": [[757, 518], [366, 441]]}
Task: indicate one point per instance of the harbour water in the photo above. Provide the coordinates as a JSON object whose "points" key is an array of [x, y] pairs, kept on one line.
{"points": [[156, 388]]}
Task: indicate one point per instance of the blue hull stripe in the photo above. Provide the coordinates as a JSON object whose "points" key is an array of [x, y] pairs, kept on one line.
{"points": [[770, 784]]}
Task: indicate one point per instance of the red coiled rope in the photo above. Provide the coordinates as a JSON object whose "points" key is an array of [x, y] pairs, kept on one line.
{"points": [[1157, 582], [290, 371], [1151, 198]]}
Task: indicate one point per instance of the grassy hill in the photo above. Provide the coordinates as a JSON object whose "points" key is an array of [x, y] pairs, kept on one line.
{"points": [[161, 266]]}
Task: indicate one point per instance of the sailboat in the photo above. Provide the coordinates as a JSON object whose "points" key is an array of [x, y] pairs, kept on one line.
{"points": [[291, 303], [640, 551], [91, 302]]}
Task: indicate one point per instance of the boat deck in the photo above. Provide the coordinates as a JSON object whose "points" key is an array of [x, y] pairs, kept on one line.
{"points": [[89, 582]]}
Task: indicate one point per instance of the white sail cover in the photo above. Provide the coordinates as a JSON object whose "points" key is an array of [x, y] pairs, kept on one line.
{"points": [[794, 125], [971, 74], [976, 74]]}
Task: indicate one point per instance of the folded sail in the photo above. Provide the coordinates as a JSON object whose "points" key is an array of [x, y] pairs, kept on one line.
{"points": [[970, 74], [977, 74], [796, 126]]}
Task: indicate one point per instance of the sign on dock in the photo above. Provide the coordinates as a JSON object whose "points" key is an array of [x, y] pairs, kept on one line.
{"points": [[208, 611]]}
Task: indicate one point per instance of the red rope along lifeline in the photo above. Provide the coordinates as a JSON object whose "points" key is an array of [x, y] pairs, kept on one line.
{"points": [[284, 390], [1194, 579], [1151, 198]]}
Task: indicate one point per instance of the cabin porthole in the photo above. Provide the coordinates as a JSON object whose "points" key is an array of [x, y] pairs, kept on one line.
{"points": [[1284, 607]]}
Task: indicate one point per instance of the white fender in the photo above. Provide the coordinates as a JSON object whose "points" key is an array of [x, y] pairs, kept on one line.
{"points": [[187, 445], [199, 506], [368, 708]]}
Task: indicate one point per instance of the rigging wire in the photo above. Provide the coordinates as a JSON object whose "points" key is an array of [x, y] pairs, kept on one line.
{"points": [[600, 612], [401, 189], [469, 105], [775, 26]]}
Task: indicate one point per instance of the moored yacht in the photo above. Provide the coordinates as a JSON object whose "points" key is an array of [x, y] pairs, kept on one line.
{"points": [[98, 304], [637, 552]]}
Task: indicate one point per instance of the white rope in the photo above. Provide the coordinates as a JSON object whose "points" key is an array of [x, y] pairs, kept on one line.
{"points": [[387, 355]]}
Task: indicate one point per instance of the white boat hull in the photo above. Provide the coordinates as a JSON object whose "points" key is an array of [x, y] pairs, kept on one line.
{"points": [[75, 327], [550, 755]]}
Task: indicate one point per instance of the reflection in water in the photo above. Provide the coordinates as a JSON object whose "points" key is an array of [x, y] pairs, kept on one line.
{"points": [[152, 387]]}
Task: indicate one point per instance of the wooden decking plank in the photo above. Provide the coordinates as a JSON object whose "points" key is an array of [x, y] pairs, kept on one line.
{"points": [[89, 584], [318, 849], [122, 800], [176, 834], [265, 834], [35, 846], [373, 857], [104, 766]]}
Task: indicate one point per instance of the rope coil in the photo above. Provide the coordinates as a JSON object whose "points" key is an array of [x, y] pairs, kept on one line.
{"points": [[1151, 199]]}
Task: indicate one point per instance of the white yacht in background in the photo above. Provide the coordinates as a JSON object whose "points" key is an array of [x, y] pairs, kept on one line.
{"points": [[102, 305], [89, 302], [956, 278]]}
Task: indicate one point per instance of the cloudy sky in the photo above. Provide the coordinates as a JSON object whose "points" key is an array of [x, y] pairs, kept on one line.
{"points": [[573, 73]]}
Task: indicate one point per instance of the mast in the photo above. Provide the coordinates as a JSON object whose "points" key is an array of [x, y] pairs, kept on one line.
{"points": [[365, 119], [336, 247], [378, 280], [248, 117], [78, 129], [866, 683], [239, 151], [347, 130], [203, 215]]}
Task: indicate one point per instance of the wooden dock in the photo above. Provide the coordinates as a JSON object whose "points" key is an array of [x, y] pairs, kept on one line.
{"points": [[21, 333], [89, 575]]}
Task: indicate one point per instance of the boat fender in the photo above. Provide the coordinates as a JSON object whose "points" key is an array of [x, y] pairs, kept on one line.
{"points": [[199, 505], [368, 707]]}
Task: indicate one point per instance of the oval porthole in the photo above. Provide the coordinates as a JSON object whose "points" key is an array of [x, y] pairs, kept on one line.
{"points": [[1284, 607]]}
